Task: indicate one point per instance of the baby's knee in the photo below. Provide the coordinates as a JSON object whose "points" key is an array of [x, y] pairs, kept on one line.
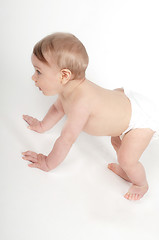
{"points": [[125, 161]]}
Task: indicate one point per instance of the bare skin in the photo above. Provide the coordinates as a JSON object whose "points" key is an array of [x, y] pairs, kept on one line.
{"points": [[94, 110], [116, 143], [132, 170]]}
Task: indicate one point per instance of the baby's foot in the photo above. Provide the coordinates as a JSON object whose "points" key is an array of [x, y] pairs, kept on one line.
{"points": [[136, 192], [118, 170]]}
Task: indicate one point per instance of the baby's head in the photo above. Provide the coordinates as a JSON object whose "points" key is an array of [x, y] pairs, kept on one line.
{"points": [[66, 51]]}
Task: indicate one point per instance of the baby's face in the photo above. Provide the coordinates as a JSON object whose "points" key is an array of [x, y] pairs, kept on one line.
{"points": [[46, 78]]}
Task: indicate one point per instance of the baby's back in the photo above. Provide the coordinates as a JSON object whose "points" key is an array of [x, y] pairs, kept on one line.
{"points": [[110, 110]]}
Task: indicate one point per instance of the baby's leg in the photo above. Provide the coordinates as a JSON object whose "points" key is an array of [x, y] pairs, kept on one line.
{"points": [[133, 145], [116, 143]]}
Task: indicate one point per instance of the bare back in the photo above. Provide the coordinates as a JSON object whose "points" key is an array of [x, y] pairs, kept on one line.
{"points": [[110, 110]]}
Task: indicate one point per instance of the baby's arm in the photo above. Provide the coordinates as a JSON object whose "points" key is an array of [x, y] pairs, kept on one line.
{"points": [[76, 121], [54, 114]]}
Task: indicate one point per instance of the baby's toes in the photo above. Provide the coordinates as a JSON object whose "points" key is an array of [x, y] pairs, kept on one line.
{"points": [[139, 196], [127, 195], [130, 196], [136, 197]]}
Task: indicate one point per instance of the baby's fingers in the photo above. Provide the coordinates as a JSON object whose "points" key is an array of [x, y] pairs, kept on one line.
{"points": [[28, 119], [30, 153], [34, 165], [29, 158], [38, 165]]}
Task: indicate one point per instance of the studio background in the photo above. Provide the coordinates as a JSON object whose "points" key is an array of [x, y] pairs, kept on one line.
{"points": [[80, 199]]}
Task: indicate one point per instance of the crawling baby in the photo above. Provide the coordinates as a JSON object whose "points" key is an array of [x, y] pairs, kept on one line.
{"points": [[60, 61]]}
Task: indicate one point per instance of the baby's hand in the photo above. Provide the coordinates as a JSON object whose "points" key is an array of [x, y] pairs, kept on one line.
{"points": [[37, 160], [34, 124]]}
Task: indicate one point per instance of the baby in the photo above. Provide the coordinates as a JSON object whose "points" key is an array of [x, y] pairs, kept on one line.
{"points": [[60, 61]]}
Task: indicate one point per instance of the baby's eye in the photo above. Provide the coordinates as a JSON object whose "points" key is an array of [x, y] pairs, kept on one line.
{"points": [[38, 72]]}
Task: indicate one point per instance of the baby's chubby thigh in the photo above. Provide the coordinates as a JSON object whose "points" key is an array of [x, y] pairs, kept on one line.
{"points": [[133, 145]]}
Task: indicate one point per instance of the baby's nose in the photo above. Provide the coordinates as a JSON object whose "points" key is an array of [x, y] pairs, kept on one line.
{"points": [[33, 78]]}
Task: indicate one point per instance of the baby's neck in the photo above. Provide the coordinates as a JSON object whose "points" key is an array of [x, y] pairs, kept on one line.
{"points": [[71, 87]]}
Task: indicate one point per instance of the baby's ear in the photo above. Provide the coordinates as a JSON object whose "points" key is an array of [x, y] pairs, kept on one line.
{"points": [[66, 76]]}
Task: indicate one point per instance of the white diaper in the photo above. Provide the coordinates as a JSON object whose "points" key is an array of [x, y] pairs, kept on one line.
{"points": [[145, 114]]}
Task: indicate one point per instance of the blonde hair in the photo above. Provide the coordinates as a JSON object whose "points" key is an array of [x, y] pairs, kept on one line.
{"points": [[66, 50]]}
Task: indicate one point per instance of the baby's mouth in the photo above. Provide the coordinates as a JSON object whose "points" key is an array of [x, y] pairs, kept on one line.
{"points": [[40, 89]]}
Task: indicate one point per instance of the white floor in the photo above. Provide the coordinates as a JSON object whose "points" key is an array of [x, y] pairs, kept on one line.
{"points": [[80, 199]]}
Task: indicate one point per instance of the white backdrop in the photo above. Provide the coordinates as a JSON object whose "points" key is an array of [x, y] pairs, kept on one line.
{"points": [[80, 199]]}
